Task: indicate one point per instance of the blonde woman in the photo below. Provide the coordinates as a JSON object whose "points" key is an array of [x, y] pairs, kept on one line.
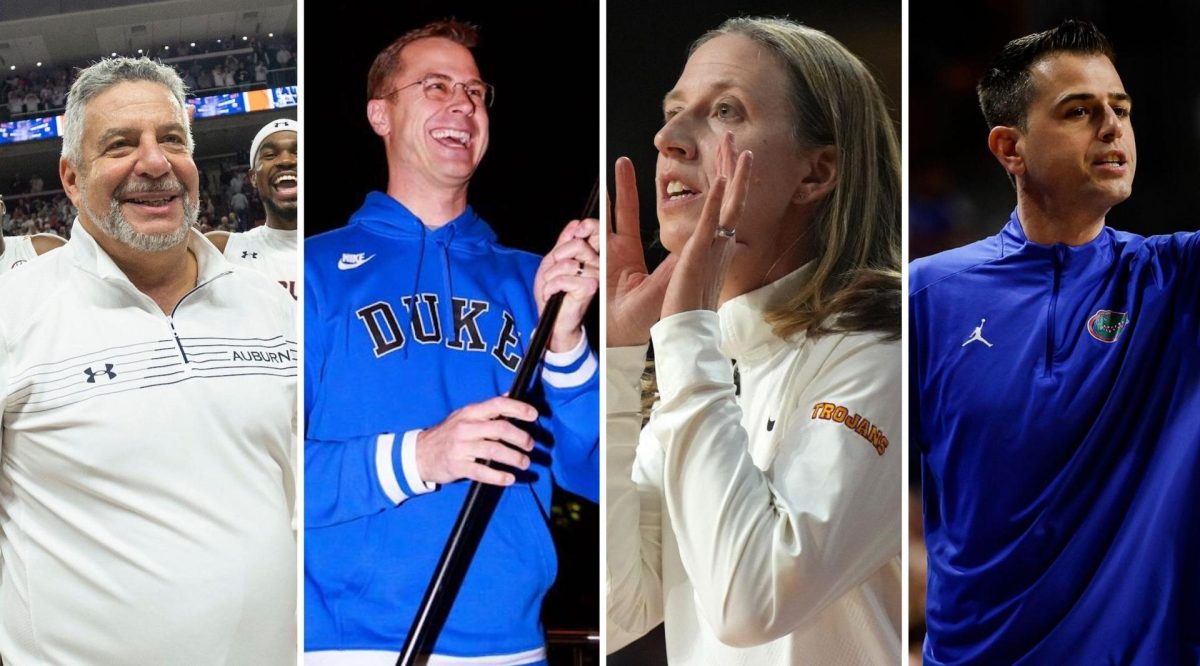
{"points": [[760, 519]]}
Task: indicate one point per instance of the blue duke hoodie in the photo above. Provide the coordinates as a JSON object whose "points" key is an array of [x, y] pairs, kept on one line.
{"points": [[1056, 404], [404, 325]]}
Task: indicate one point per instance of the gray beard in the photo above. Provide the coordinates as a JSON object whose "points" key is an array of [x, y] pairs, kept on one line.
{"points": [[118, 228]]}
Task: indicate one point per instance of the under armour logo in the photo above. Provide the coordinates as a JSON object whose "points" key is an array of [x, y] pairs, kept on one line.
{"points": [[91, 374], [977, 335], [247, 254]]}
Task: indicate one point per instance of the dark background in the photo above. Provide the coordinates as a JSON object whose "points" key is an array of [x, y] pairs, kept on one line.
{"points": [[647, 48], [959, 193], [543, 152], [541, 164]]}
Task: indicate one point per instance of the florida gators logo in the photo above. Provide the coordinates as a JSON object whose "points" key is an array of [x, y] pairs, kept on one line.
{"points": [[1106, 325]]}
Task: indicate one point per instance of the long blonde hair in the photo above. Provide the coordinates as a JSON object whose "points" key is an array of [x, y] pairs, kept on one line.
{"points": [[855, 285]]}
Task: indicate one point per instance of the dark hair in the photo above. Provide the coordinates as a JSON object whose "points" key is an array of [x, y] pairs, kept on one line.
{"points": [[387, 63], [1006, 90]]}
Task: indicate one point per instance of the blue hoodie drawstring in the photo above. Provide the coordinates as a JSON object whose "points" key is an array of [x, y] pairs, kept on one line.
{"points": [[442, 239], [412, 311], [447, 282]]}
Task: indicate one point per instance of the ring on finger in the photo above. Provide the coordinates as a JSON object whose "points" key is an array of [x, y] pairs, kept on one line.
{"points": [[725, 232]]}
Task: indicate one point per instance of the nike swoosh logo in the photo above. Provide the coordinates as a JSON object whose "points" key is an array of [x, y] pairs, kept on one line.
{"points": [[351, 261], [770, 425]]}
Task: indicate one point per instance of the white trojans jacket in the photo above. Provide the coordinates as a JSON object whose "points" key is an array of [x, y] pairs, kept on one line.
{"points": [[145, 480], [765, 528]]}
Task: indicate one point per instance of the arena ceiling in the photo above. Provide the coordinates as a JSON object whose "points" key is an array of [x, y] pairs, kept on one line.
{"points": [[86, 33]]}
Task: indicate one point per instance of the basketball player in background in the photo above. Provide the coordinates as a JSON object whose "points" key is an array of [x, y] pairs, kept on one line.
{"points": [[271, 248]]}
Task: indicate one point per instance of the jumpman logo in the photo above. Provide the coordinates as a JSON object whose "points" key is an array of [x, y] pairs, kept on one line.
{"points": [[108, 371], [977, 335]]}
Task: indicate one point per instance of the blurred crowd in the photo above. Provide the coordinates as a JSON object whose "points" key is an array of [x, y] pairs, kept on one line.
{"points": [[225, 65], [49, 213]]}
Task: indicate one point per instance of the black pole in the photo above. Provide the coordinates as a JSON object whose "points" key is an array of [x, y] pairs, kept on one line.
{"points": [[479, 504], [472, 519]]}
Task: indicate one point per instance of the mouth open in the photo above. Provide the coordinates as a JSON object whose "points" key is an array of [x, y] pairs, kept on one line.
{"points": [[452, 138], [677, 193], [1112, 161], [285, 185], [151, 203]]}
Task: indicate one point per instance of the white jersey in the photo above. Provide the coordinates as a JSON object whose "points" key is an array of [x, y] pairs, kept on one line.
{"points": [[146, 489], [17, 251], [763, 527], [271, 252]]}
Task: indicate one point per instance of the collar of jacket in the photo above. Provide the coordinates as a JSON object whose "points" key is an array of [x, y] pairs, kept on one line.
{"points": [[384, 215], [87, 254], [745, 335], [1073, 259]]}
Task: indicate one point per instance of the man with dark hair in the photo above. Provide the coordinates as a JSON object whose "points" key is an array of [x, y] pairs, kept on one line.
{"points": [[416, 320], [1055, 376], [1006, 90]]}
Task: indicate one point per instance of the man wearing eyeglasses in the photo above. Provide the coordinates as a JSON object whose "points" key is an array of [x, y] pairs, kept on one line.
{"points": [[416, 321]]}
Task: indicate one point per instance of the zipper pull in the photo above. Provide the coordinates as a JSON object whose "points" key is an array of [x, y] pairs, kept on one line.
{"points": [[1060, 255], [187, 365]]}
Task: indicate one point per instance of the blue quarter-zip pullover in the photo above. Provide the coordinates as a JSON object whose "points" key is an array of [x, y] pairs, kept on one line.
{"points": [[1056, 404]]}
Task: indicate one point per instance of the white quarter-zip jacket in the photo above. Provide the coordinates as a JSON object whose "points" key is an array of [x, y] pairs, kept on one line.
{"points": [[763, 527], [145, 480]]}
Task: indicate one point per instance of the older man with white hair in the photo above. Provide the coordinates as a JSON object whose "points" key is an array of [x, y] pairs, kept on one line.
{"points": [[148, 387]]}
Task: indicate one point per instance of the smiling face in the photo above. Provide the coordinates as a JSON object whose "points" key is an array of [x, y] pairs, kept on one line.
{"points": [[439, 143], [274, 174], [1078, 145], [730, 84], [136, 181]]}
